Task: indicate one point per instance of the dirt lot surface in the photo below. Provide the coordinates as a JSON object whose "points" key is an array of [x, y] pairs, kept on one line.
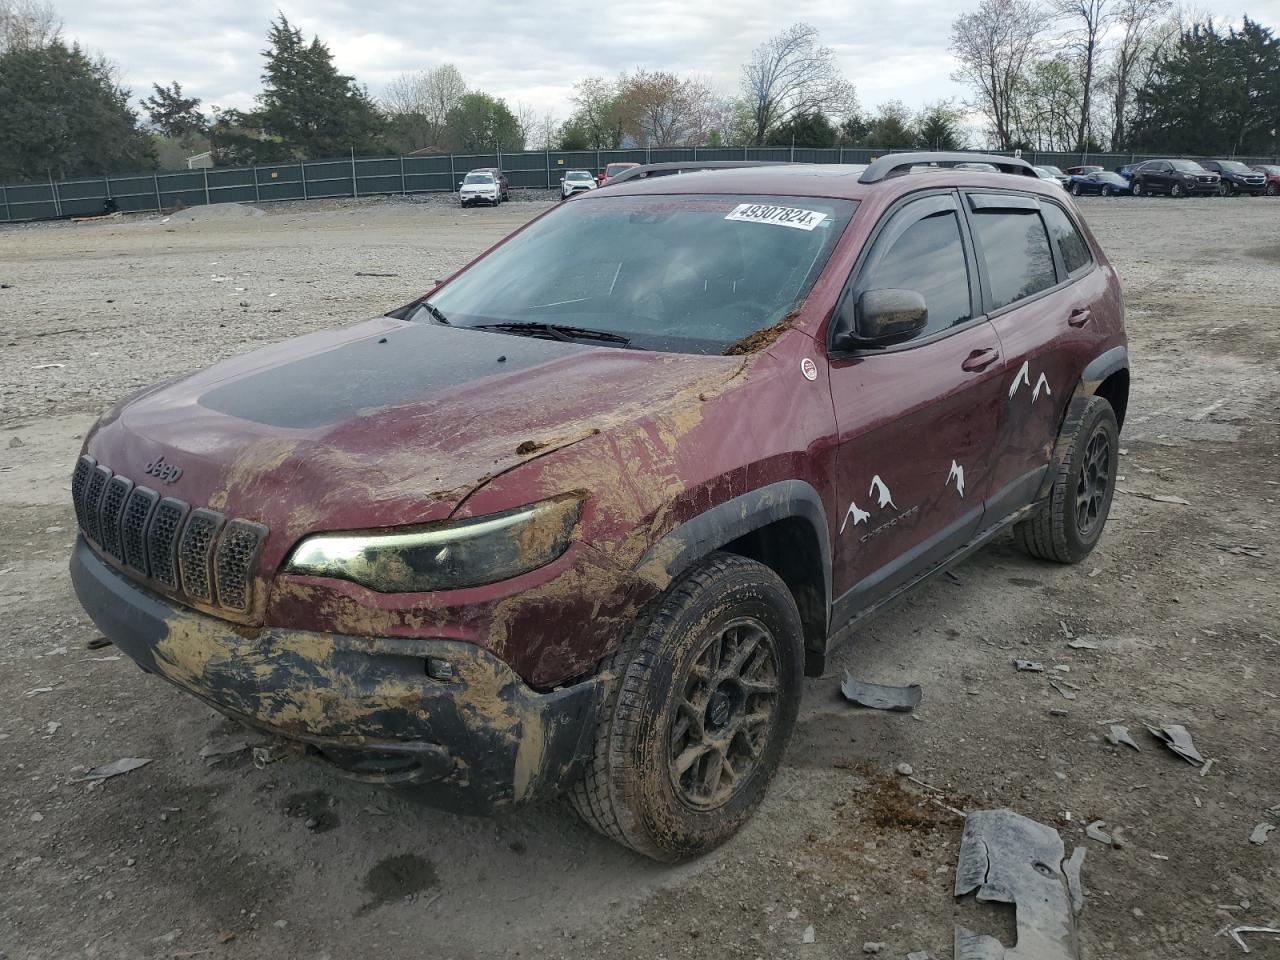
{"points": [[219, 858]]}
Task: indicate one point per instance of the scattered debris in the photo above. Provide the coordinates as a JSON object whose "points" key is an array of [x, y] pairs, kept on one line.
{"points": [[1094, 831], [1260, 832], [52, 727], [36, 690], [1241, 549], [360, 273], [873, 947], [1177, 739], [905, 769], [1080, 644], [1208, 765], [225, 936], [48, 366], [1059, 712], [1168, 498], [1029, 666], [116, 767], [1234, 933], [880, 697], [809, 935], [98, 643], [1009, 858], [954, 577], [213, 751], [1120, 735], [1061, 687], [263, 756], [918, 955]]}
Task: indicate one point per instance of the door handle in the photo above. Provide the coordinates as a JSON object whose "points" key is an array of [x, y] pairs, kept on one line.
{"points": [[980, 359], [1079, 317]]}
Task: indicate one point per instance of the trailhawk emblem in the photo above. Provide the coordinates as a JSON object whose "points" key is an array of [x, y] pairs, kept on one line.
{"points": [[164, 472]]}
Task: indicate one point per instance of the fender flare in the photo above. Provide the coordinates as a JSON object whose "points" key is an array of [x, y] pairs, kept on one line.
{"points": [[1103, 366], [692, 540], [1097, 370]]}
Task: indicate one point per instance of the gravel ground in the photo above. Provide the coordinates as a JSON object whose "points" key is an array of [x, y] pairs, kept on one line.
{"points": [[185, 857]]}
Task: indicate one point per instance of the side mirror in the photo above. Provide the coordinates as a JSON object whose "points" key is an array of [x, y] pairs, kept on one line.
{"points": [[459, 183], [880, 318]]}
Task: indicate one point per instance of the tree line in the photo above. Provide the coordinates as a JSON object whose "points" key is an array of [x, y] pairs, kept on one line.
{"points": [[1048, 75]]}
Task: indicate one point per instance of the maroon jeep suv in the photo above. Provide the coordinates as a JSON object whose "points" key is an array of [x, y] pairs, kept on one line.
{"points": [[581, 523]]}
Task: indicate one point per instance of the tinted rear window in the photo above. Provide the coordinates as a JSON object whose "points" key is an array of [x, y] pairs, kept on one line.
{"points": [[1016, 250], [1071, 245]]}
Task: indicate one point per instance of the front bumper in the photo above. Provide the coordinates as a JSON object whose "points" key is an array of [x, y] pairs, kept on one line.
{"points": [[478, 742], [479, 197]]}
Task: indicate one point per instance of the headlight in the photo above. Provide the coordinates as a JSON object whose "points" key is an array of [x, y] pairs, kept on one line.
{"points": [[443, 556]]}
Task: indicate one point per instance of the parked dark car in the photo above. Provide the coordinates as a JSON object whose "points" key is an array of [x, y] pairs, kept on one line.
{"points": [[1177, 178], [1102, 182], [535, 532], [1237, 177], [1272, 173], [1082, 169]]}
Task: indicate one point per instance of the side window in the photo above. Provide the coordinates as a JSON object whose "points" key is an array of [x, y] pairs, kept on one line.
{"points": [[1016, 251], [1074, 251], [927, 257]]}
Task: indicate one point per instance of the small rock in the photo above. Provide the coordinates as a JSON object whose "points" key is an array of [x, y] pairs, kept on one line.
{"points": [[872, 947], [14, 443], [1260, 833], [905, 769], [225, 936], [37, 817], [311, 823], [809, 935], [280, 924]]}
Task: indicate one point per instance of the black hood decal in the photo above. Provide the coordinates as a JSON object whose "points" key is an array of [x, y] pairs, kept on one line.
{"points": [[383, 370]]}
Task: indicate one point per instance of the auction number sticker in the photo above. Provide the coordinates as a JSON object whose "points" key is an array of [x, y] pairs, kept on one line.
{"points": [[793, 217]]}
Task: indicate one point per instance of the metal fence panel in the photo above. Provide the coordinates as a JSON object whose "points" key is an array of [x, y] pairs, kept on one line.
{"points": [[437, 173]]}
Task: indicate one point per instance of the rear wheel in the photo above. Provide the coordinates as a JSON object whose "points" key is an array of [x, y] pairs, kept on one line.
{"points": [[1138, 189], [703, 702], [1068, 525], [1223, 190], [1075, 190], [1272, 189], [1106, 191], [1175, 190]]}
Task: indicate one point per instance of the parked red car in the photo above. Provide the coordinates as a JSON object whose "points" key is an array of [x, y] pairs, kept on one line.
{"points": [[612, 170], [581, 517], [1272, 172]]}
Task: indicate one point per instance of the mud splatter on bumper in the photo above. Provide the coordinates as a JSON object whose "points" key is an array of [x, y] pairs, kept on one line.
{"points": [[476, 742]]}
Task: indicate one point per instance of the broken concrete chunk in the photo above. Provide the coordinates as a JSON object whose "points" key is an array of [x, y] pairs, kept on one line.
{"points": [[1094, 831], [1260, 833], [1120, 735], [1029, 666], [879, 697], [1008, 858], [1177, 739], [1061, 687], [1082, 645]]}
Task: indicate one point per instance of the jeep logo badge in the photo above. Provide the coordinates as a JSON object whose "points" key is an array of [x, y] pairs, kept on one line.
{"points": [[164, 472]]}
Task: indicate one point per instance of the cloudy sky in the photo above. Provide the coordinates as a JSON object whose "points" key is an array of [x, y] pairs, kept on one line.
{"points": [[532, 52]]}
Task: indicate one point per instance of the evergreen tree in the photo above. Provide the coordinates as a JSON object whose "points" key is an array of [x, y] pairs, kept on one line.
{"points": [[803, 130], [174, 114], [62, 112], [314, 110]]}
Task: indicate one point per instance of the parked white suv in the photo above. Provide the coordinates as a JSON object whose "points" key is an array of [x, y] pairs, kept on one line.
{"points": [[576, 181], [480, 186]]}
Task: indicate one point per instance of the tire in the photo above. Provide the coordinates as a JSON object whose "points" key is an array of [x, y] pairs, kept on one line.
{"points": [[1069, 524], [1137, 188], [659, 712], [1272, 189], [1175, 191], [1106, 191], [1224, 190], [1075, 189]]}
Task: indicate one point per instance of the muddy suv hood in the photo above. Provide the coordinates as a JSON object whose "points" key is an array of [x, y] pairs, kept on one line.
{"points": [[384, 423]]}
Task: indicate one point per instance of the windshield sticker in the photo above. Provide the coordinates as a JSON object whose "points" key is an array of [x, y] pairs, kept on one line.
{"points": [[792, 217]]}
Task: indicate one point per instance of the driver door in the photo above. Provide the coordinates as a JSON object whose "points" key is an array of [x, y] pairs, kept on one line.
{"points": [[917, 420]]}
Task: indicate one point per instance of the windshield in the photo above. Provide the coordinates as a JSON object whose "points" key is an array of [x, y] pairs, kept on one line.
{"points": [[577, 175], [682, 274], [479, 178], [1187, 166], [613, 169], [1233, 166]]}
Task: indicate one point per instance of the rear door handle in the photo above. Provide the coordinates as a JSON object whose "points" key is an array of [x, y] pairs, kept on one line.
{"points": [[1079, 317], [980, 359]]}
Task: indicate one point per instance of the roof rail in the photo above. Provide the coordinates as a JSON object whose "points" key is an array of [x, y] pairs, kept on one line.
{"points": [[693, 166], [896, 164]]}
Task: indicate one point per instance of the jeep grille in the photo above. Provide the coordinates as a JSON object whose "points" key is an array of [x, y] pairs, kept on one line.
{"points": [[197, 554]]}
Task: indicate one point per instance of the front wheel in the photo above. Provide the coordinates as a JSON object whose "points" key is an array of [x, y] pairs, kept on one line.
{"points": [[701, 704], [1137, 189], [1176, 190], [1106, 191], [1272, 189], [1068, 525], [1223, 190], [1075, 189]]}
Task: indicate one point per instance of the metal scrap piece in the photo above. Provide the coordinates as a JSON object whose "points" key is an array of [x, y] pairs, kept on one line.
{"points": [[1234, 933], [1120, 735], [1094, 831], [1178, 740], [1008, 858], [879, 697]]}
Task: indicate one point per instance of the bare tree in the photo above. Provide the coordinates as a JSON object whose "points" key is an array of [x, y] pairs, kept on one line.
{"points": [[428, 95], [1089, 19], [791, 74], [995, 45], [1138, 44], [28, 25]]}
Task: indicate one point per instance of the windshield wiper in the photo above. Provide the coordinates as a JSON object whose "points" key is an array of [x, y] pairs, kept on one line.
{"points": [[435, 313], [556, 331]]}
